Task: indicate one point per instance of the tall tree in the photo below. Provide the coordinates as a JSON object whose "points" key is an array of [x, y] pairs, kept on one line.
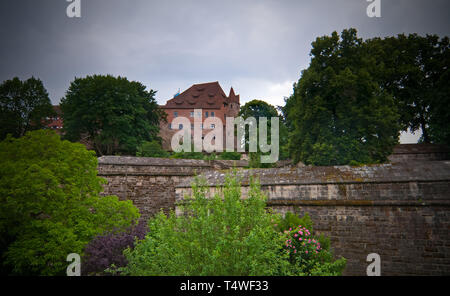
{"points": [[338, 112], [51, 204], [414, 70], [115, 114], [24, 106], [257, 109]]}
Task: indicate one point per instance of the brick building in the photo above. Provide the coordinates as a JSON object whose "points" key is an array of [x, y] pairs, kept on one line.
{"points": [[209, 97], [55, 123]]}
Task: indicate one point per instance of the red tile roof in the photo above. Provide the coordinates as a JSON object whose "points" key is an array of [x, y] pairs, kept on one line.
{"points": [[202, 96]]}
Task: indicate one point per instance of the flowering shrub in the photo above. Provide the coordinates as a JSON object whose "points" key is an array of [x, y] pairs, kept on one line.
{"points": [[308, 255], [106, 251], [302, 248]]}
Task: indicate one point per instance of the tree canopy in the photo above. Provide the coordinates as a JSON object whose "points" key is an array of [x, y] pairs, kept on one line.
{"points": [[356, 96], [50, 203], [414, 69], [339, 113], [24, 106], [257, 109], [115, 114]]}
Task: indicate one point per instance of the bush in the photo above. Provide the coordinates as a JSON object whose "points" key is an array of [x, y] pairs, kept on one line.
{"points": [[230, 156], [51, 207], [224, 235], [151, 149], [227, 235], [309, 254], [106, 251]]}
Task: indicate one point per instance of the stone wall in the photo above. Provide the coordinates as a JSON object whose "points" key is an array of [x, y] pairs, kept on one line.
{"points": [[419, 152], [150, 182], [400, 211]]}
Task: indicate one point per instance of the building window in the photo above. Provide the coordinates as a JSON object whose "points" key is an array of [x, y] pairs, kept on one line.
{"points": [[192, 126], [213, 126], [212, 114], [206, 114], [192, 113], [170, 126], [175, 114], [180, 126]]}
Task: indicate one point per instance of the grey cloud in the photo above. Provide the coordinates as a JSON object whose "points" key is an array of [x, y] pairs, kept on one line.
{"points": [[172, 44]]}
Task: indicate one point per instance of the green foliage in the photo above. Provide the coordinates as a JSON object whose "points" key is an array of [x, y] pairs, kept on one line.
{"points": [[224, 235], [230, 155], [151, 149], [414, 69], [309, 254], [254, 160], [188, 155], [50, 203], [117, 115], [257, 109], [24, 106], [339, 113], [290, 220]]}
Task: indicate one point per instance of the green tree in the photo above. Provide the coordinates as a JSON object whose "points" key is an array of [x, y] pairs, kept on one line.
{"points": [[24, 106], [257, 109], [224, 235], [115, 114], [151, 149], [414, 69], [50, 203], [339, 113]]}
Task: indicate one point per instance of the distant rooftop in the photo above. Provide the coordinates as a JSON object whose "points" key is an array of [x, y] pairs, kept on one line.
{"points": [[202, 96]]}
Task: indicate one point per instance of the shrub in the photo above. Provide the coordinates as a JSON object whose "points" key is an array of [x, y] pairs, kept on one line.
{"points": [[309, 254], [106, 251], [228, 235], [151, 149], [50, 203], [223, 235], [230, 156]]}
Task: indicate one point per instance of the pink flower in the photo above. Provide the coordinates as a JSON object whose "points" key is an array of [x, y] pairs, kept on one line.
{"points": [[295, 251], [299, 238], [306, 252], [295, 235]]}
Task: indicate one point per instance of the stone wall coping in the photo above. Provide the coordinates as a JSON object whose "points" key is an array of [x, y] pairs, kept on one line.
{"points": [[429, 171], [167, 162]]}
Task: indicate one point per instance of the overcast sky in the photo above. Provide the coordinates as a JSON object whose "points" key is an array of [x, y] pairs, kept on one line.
{"points": [[257, 46]]}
